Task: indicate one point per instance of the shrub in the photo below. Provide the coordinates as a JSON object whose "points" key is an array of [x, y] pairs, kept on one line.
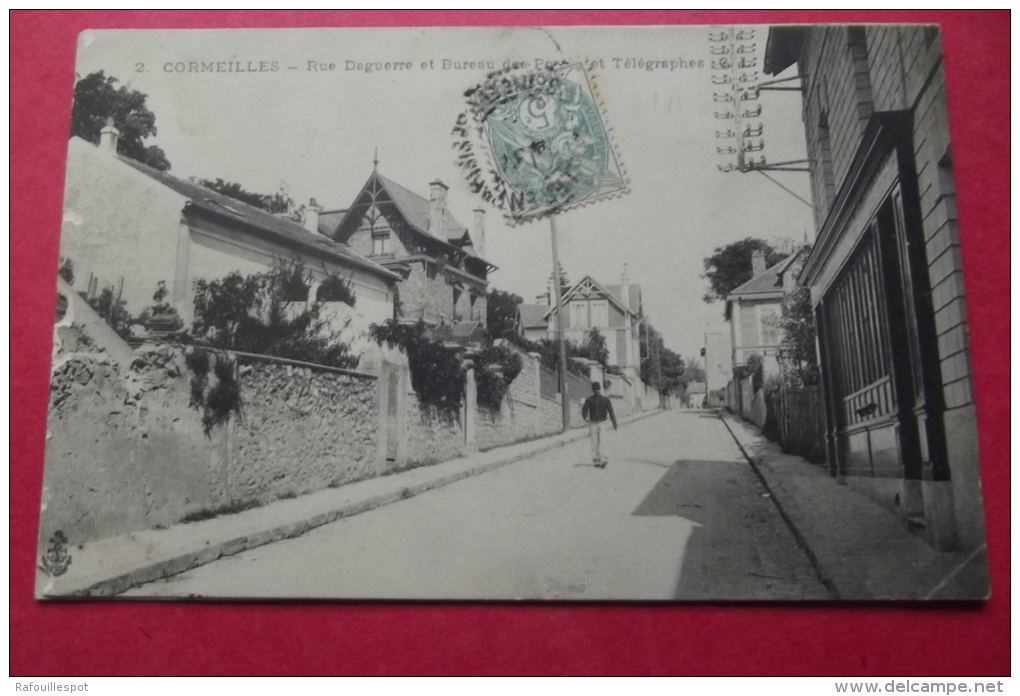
{"points": [[492, 385], [111, 307], [437, 374], [251, 314], [335, 289], [753, 368]]}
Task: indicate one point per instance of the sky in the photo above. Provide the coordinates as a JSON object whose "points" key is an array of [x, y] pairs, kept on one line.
{"points": [[303, 109]]}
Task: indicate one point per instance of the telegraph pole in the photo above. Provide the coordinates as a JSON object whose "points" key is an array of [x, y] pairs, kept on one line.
{"points": [[558, 292]]}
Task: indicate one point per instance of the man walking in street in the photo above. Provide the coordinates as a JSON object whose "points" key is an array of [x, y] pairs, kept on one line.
{"points": [[595, 410]]}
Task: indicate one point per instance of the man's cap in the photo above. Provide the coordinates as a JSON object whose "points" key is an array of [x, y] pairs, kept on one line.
{"points": [[596, 385]]}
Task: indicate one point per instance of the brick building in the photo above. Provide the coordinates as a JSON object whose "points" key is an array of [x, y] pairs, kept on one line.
{"points": [[885, 271], [444, 277]]}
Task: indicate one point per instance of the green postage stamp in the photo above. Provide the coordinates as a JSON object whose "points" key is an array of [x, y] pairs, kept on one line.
{"points": [[546, 136]]}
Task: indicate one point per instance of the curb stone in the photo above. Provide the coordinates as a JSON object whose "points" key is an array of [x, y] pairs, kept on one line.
{"points": [[183, 561], [789, 510]]}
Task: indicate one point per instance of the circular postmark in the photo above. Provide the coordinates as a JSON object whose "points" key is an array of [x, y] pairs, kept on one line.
{"points": [[546, 140]]}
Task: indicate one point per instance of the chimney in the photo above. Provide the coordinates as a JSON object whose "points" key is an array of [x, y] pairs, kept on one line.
{"points": [[311, 216], [437, 209], [757, 264], [108, 138], [478, 232]]}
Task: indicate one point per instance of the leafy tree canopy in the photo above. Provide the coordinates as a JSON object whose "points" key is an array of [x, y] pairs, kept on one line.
{"points": [[546, 297], [501, 313], [98, 98], [693, 370], [277, 203], [661, 367], [730, 266]]}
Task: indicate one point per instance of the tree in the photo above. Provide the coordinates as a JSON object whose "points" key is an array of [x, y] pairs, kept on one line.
{"points": [[693, 370], [730, 266], [251, 314], [277, 203], [565, 284], [797, 352], [672, 368], [661, 367], [597, 349], [97, 99], [501, 314]]}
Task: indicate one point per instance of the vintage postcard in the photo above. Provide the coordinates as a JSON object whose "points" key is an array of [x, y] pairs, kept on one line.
{"points": [[530, 313]]}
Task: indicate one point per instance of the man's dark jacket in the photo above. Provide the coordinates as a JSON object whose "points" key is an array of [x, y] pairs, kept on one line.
{"points": [[596, 408]]}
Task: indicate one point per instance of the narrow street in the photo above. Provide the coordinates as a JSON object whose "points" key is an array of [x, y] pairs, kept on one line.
{"points": [[677, 514]]}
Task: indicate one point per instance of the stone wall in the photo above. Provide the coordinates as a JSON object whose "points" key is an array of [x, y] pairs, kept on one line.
{"points": [[525, 415], [123, 450], [431, 438], [302, 429], [126, 450]]}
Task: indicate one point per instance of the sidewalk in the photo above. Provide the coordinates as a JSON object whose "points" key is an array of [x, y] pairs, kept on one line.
{"points": [[860, 550], [110, 566]]}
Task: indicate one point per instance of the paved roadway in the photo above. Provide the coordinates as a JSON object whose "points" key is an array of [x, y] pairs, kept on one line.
{"points": [[677, 514]]}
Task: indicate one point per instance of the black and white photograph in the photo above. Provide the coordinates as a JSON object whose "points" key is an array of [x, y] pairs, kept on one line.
{"points": [[660, 313]]}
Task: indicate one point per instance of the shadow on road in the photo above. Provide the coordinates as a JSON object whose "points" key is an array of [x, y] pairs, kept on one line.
{"points": [[673, 494]]}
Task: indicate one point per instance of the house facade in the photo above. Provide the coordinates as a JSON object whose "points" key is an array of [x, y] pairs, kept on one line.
{"points": [[128, 226], [885, 273], [753, 311], [444, 278], [616, 311]]}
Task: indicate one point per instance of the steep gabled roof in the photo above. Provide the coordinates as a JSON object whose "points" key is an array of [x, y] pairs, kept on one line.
{"points": [[279, 229], [612, 293], [770, 282], [416, 212], [534, 316], [634, 301]]}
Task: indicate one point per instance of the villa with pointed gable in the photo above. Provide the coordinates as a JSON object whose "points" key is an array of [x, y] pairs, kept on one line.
{"points": [[444, 277]]}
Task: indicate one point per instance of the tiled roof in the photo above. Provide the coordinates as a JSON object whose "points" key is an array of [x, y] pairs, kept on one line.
{"points": [[635, 295], [418, 210], [768, 283], [533, 316], [613, 291], [329, 220], [282, 229]]}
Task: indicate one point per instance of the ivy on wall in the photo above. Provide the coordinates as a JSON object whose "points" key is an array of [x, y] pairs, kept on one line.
{"points": [[496, 369], [437, 373], [218, 398]]}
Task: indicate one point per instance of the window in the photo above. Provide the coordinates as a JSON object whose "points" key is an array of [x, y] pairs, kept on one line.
{"points": [[578, 315], [381, 244], [474, 308], [456, 299], [600, 313]]}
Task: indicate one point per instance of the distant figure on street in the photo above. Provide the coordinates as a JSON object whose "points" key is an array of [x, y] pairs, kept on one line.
{"points": [[595, 410]]}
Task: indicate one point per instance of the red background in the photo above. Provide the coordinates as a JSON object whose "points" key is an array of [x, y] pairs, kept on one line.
{"points": [[391, 638]]}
